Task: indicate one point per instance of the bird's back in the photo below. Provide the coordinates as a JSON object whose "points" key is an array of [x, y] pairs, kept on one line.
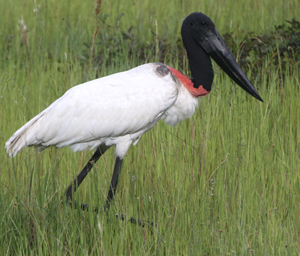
{"points": [[102, 111]]}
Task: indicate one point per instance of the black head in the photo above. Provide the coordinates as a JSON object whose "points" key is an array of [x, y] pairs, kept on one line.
{"points": [[202, 41], [196, 26]]}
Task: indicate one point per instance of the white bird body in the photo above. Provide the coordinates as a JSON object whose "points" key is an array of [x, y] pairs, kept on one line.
{"points": [[116, 109]]}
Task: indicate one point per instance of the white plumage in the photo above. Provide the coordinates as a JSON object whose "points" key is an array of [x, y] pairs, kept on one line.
{"points": [[114, 110]]}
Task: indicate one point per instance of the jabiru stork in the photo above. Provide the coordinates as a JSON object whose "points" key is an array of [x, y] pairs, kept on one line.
{"points": [[118, 109]]}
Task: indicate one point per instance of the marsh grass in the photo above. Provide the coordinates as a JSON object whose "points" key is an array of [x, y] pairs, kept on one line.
{"points": [[225, 182]]}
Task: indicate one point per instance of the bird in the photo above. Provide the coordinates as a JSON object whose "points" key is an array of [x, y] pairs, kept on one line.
{"points": [[118, 109]]}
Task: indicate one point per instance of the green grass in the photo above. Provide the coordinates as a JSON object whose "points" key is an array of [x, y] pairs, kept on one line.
{"points": [[225, 182]]}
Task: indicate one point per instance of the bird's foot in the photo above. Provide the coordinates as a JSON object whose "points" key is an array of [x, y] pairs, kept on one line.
{"points": [[135, 221], [84, 207]]}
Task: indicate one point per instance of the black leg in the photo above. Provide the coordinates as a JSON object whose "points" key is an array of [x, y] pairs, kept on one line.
{"points": [[113, 183], [112, 189], [76, 182]]}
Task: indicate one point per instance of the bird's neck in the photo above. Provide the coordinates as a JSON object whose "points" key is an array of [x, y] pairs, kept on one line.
{"points": [[201, 67], [189, 85]]}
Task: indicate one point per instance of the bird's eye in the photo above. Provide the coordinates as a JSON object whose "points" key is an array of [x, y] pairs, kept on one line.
{"points": [[192, 24], [204, 23]]}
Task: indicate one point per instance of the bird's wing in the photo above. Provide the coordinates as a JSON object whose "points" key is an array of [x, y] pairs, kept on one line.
{"points": [[113, 106]]}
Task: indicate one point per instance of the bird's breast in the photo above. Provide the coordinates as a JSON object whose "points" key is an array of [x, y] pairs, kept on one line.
{"points": [[186, 101]]}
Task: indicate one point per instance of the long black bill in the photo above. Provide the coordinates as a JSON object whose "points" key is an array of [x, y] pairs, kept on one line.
{"points": [[215, 46]]}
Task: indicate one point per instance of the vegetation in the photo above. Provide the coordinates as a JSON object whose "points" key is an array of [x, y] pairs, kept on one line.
{"points": [[225, 182]]}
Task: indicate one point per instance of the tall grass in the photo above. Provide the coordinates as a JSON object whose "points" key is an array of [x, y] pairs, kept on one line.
{"points": [[225, 182]]}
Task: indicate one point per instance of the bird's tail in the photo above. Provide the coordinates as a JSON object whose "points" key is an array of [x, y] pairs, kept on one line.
{"points": [[25, 136]]}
